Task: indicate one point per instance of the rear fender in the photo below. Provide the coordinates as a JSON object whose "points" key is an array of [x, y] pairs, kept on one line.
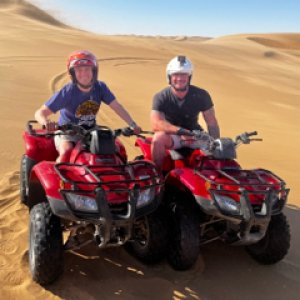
{"points": [[189, 179], [43, 175]]}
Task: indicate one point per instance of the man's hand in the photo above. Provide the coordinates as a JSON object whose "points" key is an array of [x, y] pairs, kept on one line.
{"points": [[183, 131], [136, 128], [50, 125]]}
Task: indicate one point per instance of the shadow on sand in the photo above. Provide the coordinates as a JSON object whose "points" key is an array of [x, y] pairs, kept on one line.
{"points": [[222, 272]]}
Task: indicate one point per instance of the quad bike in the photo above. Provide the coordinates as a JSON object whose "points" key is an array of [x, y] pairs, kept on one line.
{"points": [[209, 197], [97, 196]]}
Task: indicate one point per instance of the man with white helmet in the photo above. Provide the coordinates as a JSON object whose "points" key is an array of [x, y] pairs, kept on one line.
{"points": [[79, 101], [176, 109]]}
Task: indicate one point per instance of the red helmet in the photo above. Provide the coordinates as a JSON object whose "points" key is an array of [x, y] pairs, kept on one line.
{"points": [[82, 58]]}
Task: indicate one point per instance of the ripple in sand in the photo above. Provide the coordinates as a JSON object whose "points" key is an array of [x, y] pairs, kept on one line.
{"points": [[12, 278], [8, 247], [3, 263]]}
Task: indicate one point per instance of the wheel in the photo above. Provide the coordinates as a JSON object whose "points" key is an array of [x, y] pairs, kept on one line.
{"points": [[45, 244], [275, 244], [150, 236], [25, 169], [184, 238]]}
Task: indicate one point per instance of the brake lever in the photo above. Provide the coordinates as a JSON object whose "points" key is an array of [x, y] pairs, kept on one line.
{"points": [[243, 138]]}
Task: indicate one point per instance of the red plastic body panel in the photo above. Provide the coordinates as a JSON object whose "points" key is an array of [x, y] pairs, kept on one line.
{"points": [[39, 148], [48, 177]]}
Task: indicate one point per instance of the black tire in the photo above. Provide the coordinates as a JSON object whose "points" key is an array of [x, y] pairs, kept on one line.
{"points": [[25, 169], [184, 238], [150, 238], [275, 244], [45, 244]]}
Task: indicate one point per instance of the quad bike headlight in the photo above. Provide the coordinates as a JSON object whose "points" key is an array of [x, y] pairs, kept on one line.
{"points": [[145, 197], [80, 202], [228, 205]]}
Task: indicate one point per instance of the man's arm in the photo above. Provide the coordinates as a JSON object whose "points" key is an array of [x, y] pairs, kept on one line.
{"points": [[159, 123], [212, 123], [42, 114], [122, 113]]}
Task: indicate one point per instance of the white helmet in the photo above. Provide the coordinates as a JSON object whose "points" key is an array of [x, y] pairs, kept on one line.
{"points": [[179, 64]]}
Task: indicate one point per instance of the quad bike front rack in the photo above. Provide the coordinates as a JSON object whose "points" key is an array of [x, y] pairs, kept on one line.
{"points": [[251, 187]]}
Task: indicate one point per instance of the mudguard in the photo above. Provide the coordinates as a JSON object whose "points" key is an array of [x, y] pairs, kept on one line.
{"points": [[45, 174], [189, 179], [145, 146], [39, 148]]}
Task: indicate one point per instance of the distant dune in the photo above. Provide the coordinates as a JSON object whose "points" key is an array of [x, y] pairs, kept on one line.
{"points": [[30, 11], [254, 82], [282, 41]]}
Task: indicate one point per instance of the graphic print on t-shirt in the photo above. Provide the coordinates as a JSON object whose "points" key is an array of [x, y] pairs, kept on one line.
{"points": [[86, 112]]}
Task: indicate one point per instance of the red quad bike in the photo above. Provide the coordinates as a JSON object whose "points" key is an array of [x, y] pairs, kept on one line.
{"points": [[97, 197], [209, 196]]}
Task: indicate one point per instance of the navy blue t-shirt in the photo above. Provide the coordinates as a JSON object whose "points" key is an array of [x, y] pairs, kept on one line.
{"points": [[78, 107]]}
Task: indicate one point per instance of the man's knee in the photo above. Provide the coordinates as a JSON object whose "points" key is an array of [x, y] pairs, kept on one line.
{"points": [[162, 139], [65, 146]]}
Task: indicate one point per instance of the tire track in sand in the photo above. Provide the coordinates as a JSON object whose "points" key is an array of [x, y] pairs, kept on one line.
{"points": [[60, 79]]}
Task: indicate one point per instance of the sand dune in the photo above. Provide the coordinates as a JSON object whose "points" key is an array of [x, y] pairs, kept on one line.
{"points": [[254, 81], [26, 9]]}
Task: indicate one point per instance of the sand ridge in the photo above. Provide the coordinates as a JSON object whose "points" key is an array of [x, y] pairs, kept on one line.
{"points": [[254, 82]]}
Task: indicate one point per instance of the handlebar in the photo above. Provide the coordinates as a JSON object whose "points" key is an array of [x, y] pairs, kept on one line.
{"points": [[73, 129], [244, 138], [203, 136]]}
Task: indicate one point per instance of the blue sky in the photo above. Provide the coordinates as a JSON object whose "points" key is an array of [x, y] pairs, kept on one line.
{"points": [[165, 17]]}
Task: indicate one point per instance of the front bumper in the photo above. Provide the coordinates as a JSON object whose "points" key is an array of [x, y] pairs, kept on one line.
{"points": [[105, 213], [112, 225], [251, 223]]}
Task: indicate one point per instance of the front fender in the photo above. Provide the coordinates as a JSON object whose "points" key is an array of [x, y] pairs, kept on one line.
{"points": [[145, 146], [45, 174], [190, 180], [39, 148]]}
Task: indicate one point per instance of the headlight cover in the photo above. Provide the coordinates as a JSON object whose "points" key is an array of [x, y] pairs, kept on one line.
{"points": [[82, 203], [145, 197], [228, 205]]}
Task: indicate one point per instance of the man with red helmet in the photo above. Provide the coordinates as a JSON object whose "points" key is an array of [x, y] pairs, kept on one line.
{"points": [[79, 101], [176, 109]]}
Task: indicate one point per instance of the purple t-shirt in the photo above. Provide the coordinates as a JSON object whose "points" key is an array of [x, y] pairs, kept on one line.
{"points": [[78, 107]]}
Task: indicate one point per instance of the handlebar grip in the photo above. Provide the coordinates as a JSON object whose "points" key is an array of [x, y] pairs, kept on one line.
{"points": [[251, 133], [183, 131], [146, 132]]}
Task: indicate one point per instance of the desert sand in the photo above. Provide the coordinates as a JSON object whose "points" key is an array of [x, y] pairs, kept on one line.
{"points": [[254, 81]]}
